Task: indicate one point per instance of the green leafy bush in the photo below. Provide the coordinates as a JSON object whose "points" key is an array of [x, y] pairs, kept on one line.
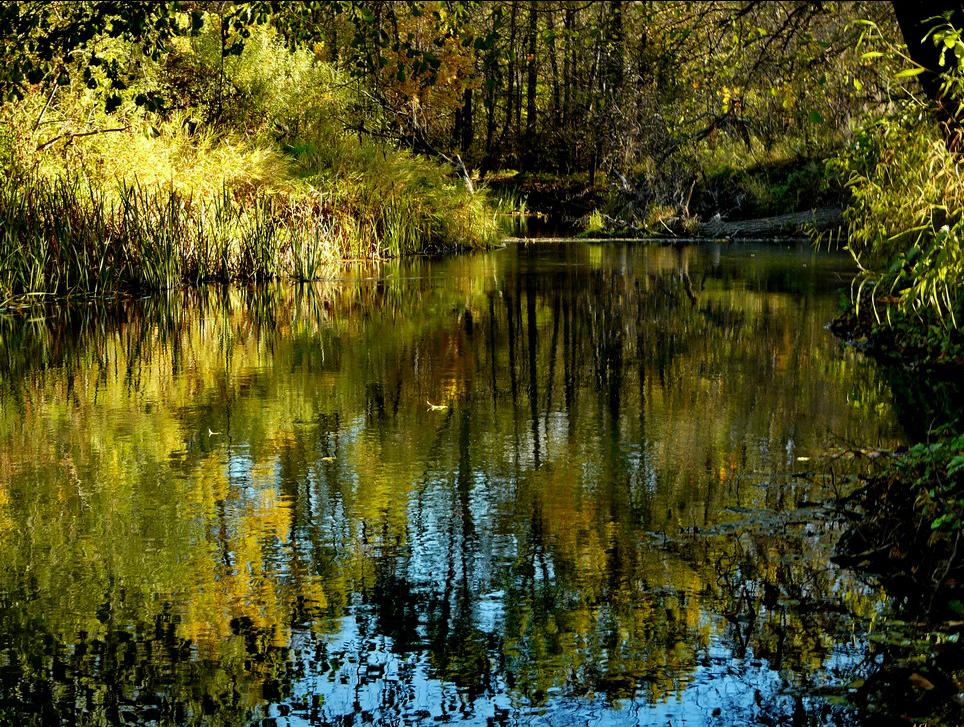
{"points": [[906, 216], [254, 176], [938, 471]]}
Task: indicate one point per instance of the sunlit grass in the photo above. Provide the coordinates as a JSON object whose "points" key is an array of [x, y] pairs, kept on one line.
{"points": [[278, 188], [66, 235], [906, 221]]}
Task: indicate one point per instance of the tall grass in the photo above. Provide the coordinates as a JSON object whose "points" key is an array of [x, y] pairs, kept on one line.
{"points": [[65, 235], [55, 237], [906, 220], [275, 188], [906, 214]]}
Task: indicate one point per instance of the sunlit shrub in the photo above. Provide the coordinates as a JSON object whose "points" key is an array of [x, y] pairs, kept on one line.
{"points": [[258, 178], [906, 217]]}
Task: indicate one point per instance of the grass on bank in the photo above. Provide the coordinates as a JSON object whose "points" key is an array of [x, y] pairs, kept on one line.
{"points": [[251, 178], [906, 221]]}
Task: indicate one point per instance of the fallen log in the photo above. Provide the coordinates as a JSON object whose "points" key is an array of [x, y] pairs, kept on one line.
{"points": [[791, 225]]}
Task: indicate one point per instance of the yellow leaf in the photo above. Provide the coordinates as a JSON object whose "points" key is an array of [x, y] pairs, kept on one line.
{"points": [[907, 72]]}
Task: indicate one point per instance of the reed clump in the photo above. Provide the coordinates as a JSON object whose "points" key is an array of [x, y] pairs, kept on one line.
{"points": [[269, 185], [64, 235]]}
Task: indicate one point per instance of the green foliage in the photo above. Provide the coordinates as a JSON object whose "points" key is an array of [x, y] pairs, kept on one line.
{"points": [[951, 43], [937, 471], [53, 42], [739, 187], [595, 224], [94, 201], [906, 217]]}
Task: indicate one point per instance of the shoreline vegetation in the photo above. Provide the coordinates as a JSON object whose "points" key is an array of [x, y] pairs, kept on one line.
{"points": [[99, 203], [66, 235], [147, 146]]}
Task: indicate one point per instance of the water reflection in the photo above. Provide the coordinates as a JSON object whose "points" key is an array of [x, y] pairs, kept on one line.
{"points": [[559, 482]]}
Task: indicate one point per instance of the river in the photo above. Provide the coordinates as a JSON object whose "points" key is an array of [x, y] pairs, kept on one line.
{"points": [[552, 484]]}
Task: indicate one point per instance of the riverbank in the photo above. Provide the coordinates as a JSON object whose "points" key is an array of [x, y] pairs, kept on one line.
{"points": [[248, 173], [914, 506], [774, 197], [906, 518]]}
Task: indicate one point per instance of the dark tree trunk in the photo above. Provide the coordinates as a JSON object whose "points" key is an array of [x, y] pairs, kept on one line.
{"points": [[554, 66], [517, 132], [492, 83], [531, 79], [468, 118], [510, 75], [567, 52], [615, 50], [596, 86], [333, 43], [464, 123], [916, 20], [610, 59], [490, 92]]}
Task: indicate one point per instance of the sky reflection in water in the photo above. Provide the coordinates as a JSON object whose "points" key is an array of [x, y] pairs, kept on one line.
{"points": [[553, 483]]}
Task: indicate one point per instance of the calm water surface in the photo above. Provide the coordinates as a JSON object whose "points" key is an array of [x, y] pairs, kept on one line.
{"points": [[550, 484]]}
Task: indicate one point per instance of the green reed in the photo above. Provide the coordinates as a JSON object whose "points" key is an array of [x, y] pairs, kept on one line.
{"points": [[64, 235]]}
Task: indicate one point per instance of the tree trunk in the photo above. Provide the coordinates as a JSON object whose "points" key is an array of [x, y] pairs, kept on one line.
{"points": [[567, 24], [796, 224], [554, 66], [517, 133], [531, 79], [615, 50], [492, 83], [510, 75], [916, 20], [596, 87], [468, 122], [490, 93]]}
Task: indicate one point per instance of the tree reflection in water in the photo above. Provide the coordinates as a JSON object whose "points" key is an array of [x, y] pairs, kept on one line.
{"points": [[557, 482]]}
